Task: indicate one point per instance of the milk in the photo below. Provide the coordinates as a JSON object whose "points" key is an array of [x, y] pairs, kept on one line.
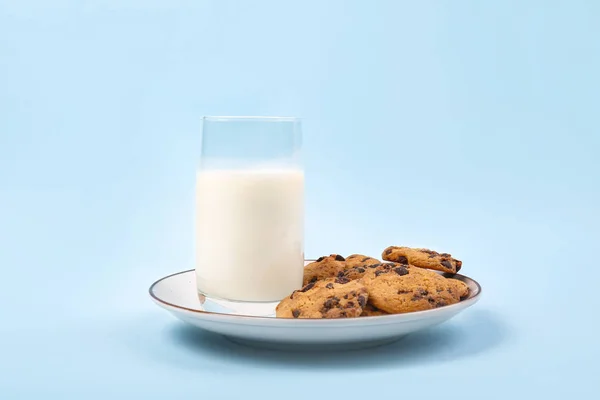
{"points": [[249, 233]]}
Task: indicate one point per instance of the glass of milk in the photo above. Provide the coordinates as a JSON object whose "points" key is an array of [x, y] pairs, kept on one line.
{"points": [[249, 209]]}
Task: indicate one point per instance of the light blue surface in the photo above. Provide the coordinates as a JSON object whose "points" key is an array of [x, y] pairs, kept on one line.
{"points": [[469, 127]]}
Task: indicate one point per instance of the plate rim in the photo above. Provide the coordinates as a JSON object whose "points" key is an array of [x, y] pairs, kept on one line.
{"points": [[236, 317]]}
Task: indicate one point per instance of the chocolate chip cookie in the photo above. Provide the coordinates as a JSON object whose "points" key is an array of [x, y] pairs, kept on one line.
{"points": [[325, 267], [422, 258], [397, 288], [360, 260], [327, 298]]}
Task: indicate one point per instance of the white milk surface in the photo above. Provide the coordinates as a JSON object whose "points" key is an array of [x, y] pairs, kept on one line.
{"points": [[249, 233]]}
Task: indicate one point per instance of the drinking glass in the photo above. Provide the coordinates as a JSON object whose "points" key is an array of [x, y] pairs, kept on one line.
{"points": [[249, 209]]}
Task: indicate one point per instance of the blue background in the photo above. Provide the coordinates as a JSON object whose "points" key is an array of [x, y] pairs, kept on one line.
{"points": [[470, 127]]}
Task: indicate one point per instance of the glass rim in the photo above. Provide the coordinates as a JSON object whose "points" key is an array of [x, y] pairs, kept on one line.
{"points": [[218, 118]]}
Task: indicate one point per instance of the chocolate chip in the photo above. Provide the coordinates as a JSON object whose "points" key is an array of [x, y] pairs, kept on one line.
{"points": [[320, 259], [313, 279], [401, 270], [429, 252], [431, 300], [331, 302], [360, 269], [349, 304], [375, 265], [365, 259], [432, 256], [388, 251], [362, 301], [346, 296], [447, 264], [445, 255], [342, 280], [339, 258], [329, 286], [381, 271], [296, 313], [343, 314], [420, 294], [307, 287], [340, 274], [402, 260], [402, 291], [441, 303]]}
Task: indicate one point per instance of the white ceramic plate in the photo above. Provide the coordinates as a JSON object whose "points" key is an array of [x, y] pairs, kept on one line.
{"points": [[177, 294]]}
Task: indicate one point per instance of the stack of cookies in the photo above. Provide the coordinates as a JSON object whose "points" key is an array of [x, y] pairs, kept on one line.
{"points": [[359, 285]]}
